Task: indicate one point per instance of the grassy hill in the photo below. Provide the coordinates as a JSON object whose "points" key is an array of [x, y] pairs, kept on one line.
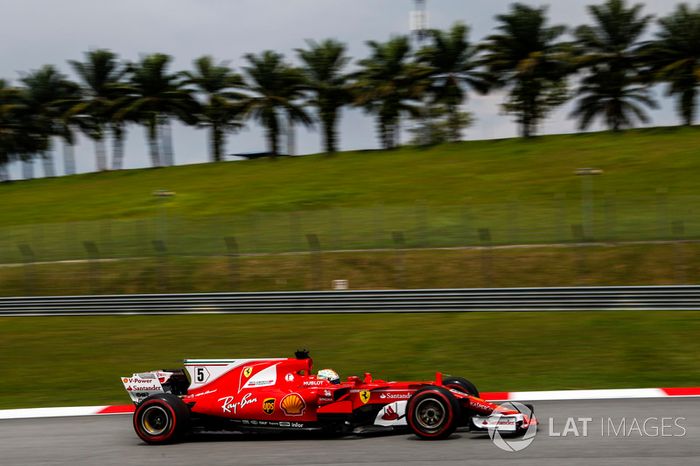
{"points": [[522, 191]]}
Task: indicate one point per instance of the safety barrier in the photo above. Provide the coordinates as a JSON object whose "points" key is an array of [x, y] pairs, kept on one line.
{"points": [[679, 298]]}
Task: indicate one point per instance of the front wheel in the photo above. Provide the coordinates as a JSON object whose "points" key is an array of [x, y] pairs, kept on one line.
{"points": [[161, 418], [462, 385], [433, 413]]}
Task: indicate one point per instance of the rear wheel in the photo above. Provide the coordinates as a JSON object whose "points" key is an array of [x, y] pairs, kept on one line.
{"points": [[433, 413], [161, 418]]}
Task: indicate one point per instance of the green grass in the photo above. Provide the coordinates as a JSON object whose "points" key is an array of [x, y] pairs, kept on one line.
{"points": [[624, 264], [523, 191], [78, 361]]}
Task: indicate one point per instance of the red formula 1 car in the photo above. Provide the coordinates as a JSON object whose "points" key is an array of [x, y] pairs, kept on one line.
{"points": [[283, 395]]}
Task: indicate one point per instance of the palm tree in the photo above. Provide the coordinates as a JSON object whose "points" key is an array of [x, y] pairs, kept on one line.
{"points": [[154, 96], [221, 111], [68, 124], [674, 58], [102, 77], [389, 85], [48, 94], [453, 70], [612, 98], [16, 137], [527, 57], [296, 92], [609, 54], [324, 63], [276, 88]]}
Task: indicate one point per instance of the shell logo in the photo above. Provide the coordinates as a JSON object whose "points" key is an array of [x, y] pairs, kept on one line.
{"points": [[293, 405], [247, 371]]}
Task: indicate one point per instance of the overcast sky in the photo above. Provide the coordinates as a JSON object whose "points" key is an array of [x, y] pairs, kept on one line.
{"points": [[37, 32]]}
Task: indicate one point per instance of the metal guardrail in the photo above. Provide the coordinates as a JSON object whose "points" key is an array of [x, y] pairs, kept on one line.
{"points": [[679, 298]]}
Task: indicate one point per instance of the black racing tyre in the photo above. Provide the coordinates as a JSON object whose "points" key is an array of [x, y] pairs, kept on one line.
{"points": [[462, 385], [161, 418], [465, 386], [433, 413]]}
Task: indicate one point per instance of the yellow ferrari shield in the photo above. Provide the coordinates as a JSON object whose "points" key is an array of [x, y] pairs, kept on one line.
{"points": [[247, 371], [365, 396]]}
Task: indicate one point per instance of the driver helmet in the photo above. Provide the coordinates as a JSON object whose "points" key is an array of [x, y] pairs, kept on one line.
{"points": [[329, 375]]}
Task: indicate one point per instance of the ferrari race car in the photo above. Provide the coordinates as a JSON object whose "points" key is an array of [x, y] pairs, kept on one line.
{"points": [[258, 395]]}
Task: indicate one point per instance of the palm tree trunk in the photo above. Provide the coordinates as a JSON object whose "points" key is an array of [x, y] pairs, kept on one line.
{"points": [[68, 158], [396, 140], [383, 129], [272, 142], [272, 130], [28, 167], [529, 109], [687, 105], [154, 147], [100, 154], [329, 133], [291, 150], [216, 143], [526, 124], [453, 123], [47, 162], [167, 141], [117, 147]]}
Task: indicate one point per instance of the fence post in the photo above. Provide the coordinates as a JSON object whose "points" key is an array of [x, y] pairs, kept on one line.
{"points": [[610, 218], [514, 221], [336, 217], [162, 252], [399, 263], [378, 220], [486, 259], [662, 213], [579, 234], [422, 223], [106, 237], [466, 222], [233, 266], [316, 261], [678, 230], [295, 232], [254, 223], [560, 201], [94, 259], [28, 258]]}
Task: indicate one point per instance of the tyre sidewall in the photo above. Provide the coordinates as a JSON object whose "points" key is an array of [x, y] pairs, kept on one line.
{"points": [[449, 404], [462, 385], [177, 418]]}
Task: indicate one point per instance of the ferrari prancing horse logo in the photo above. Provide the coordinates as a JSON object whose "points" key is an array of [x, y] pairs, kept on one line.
{"points": [[365, 396], [247, 371]]}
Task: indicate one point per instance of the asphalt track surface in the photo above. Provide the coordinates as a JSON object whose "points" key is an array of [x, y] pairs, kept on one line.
{"points": [[110, 440]]}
